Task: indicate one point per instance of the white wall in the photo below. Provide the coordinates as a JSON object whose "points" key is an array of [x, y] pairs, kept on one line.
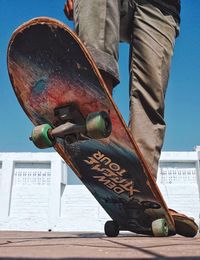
{"points": [[38, 192], [178, 181]]}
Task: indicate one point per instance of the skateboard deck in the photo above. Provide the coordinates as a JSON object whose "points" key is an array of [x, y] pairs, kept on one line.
{"points": [[58, 84]]}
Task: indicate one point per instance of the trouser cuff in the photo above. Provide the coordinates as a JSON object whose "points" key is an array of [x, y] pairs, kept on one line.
{"points": [[105, 63]]}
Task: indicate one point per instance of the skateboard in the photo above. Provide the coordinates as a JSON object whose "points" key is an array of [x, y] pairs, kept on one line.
{"points": [[62, 92]]}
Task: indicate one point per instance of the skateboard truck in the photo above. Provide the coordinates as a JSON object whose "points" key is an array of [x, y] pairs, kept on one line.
{"points": [[159, 228], [72, 125]]}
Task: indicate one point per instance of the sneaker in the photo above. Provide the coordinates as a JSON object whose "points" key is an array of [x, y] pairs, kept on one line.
{"points": [[185, 226]]}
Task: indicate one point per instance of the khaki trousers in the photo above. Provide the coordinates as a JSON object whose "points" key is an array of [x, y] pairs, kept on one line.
{"points": [[151, 32]]}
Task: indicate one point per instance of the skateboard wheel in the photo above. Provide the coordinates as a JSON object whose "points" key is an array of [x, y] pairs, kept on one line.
{"points": [[111, 229], [160, 228], [40, 136], [98, 125]]}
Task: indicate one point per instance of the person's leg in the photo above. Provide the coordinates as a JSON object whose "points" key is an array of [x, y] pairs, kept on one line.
{"points": [[97, 25], [152, 44]]}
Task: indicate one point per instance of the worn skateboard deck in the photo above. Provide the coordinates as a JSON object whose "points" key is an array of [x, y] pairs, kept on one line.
{"points": [[50, 68]]}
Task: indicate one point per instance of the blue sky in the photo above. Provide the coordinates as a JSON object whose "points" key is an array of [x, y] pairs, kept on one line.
{"points": [[183, 95]]}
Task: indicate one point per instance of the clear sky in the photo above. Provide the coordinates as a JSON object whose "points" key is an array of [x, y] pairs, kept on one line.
{"points": [[183, 96]]}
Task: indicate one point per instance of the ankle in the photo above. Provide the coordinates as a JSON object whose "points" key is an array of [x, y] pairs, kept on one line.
{"points": [[108, 80], [109, 85]]}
